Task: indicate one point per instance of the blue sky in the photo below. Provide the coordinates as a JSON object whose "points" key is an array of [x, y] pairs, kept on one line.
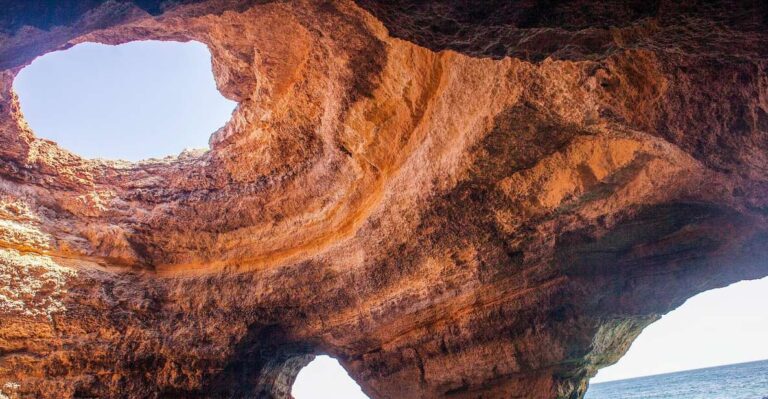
{"points": [[151, 99], [133, 101]]}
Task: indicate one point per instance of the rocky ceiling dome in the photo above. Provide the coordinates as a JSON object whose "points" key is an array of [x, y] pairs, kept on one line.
{"points": [[453, 199]]}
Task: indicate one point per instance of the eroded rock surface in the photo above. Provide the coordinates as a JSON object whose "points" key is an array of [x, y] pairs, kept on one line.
{"points": [[454, 201]]}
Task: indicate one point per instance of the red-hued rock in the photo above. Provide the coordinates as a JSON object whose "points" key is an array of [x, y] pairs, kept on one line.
{"points": [[454, 201]]}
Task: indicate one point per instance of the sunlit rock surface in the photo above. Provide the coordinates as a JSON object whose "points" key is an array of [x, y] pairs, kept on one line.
{"points": [[487, 201]]}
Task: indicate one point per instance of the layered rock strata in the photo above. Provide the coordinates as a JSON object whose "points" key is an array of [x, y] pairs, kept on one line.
{"points": [[454, 201]]}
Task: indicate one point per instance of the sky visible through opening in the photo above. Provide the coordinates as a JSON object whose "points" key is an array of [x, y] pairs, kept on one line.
{"points": [[324, 378], [717, 327], [139, 100], [721, 326], [151, 99]]}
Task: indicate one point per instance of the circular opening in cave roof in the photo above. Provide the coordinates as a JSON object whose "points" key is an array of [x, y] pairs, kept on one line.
{"points": [[134, 101]]}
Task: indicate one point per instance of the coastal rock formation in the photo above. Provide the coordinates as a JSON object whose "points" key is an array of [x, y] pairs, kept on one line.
{"points": [[453, 200]]}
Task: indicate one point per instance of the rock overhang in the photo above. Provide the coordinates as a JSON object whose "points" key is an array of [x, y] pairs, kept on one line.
{"points": [[497, 213]]}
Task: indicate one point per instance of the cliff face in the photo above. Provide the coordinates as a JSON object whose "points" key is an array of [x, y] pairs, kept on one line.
{"points": [[454, 201]]}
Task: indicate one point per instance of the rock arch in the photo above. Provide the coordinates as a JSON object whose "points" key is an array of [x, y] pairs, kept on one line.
{"points": [[444, 221]]}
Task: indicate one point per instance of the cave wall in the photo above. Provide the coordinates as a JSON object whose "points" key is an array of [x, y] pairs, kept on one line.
{"points": [[453, 200]]}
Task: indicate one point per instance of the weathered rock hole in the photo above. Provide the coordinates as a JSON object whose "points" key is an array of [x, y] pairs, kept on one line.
{"points": [[133, 101], [714, 328], [325, 378]]}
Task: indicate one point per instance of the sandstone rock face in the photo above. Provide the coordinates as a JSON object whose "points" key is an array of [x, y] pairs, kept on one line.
{"points": [[454, 201]]}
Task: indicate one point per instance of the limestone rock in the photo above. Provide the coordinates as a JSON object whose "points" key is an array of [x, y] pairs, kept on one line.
{"points": [[454, 201]]}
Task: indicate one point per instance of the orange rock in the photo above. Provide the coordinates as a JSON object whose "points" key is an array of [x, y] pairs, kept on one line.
{"points": [[467, 202]]}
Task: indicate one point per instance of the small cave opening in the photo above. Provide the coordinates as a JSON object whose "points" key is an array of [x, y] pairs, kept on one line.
{"points": [[325, 378], [133, 101], [715, 336]]}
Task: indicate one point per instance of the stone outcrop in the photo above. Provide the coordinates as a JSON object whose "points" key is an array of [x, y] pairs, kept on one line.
{"points": [[453, 200]]}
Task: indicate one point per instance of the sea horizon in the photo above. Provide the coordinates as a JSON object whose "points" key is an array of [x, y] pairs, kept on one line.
{"points": [[746, 380], [679, 371]]}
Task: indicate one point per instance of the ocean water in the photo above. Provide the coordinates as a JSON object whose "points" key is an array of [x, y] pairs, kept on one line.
{"points": [[735, 381]]}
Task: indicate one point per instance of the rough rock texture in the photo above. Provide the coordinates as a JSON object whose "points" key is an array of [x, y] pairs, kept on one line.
{"points": [[454, 200]]}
